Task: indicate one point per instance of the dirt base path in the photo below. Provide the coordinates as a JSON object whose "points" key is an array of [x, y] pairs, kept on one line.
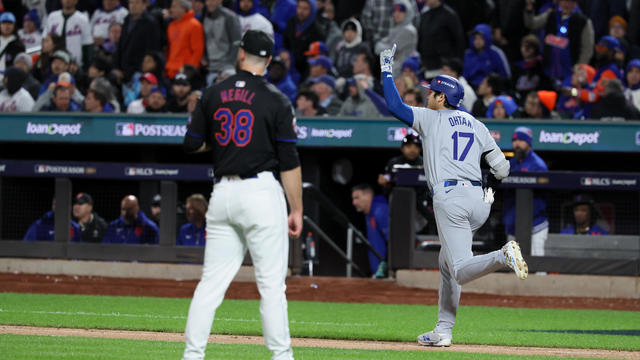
{"points": [[324, 343], [330, 289]]}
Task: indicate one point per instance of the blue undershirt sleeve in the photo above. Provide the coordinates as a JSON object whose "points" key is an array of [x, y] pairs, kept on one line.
{"points": [[401, 111]]}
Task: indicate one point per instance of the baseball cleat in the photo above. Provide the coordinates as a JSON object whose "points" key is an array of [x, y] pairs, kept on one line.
{"points": [[514, 259], [432, 338]]}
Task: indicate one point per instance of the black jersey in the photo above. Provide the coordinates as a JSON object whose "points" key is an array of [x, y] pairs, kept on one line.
{"points": [[242, 119]]}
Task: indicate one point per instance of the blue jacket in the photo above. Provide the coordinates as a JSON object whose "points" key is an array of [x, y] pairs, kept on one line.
{"points": [[43, 229], [190, 235], [479, 64], [593, 230], [283, 10], [378, 229], [532, 162], [287, 87], [143, 231]]}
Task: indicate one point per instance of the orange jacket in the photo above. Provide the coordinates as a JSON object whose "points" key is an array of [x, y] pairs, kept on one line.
{"points": [[186, 43]]}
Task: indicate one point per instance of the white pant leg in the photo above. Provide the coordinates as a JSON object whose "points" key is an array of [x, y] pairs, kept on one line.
{"points": [[224, 253], [266, 232], [537, 242], [448, 297]]}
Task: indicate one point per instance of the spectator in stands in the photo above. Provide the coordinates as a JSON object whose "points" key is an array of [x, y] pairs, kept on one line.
{"points": [[59, 63], [9, 42], [404, 83], [618, 29], [193, 232], [100, 67], [180, 89], [43, 229], [439, 20], [349, 48], [279, 77], [528, 73], [488, 89], [570, 103], [585, 216], [453, 67], [194, 76], [301, 31], [110, 45], [140, 35], [281, 12], [133, 226], [363, 67], [507, 26], [568, 37], [413, 97], [30, 34], [411, 68], [613, 104], [221, 33], [111, 12], [103, 86], [93, 227], [251, 18], [198, 9], [632, 93], [533, 107], [156, 208], [329, 26], [74, 26], [403, 34], [502, 107], [14, 98], [157, 100], [50, 44], [152, 63], [24, 62], [358, 103], [307, 104], [61, 100], [483, 57], [600, 12], [324, 87], [319, 66], [193, 100], [376, 212], [185, 38], [286, 56], [38, 6], [147, 82], [525, 159], [46, 102], [96, 102], [376, 21]]}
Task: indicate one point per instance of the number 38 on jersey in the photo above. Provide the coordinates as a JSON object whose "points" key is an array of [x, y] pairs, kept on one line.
{"points": [[236, 127]]}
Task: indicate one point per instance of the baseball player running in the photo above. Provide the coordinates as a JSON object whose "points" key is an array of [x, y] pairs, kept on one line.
{"points": [[454, 144], [249, 125]]}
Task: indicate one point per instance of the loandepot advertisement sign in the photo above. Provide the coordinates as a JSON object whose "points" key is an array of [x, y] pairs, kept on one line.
{"points": [[554, 135]]}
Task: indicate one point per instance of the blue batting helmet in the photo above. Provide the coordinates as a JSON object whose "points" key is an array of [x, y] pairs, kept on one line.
{"points": [[450, 87]]}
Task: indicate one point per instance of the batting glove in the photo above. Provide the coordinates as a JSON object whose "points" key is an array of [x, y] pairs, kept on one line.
{"points": [[488, 195], [386, 59]]}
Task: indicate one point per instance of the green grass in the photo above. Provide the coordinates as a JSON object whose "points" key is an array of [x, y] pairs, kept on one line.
{"points": [[16, 347], [476, 325]]}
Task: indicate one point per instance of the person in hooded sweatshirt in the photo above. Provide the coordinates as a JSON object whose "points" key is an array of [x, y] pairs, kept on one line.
{"points": [[301, 31], [185, 38], [483, 58], [221, 32], [14, 98], [349, 48], [251, 19], [402, 33]]}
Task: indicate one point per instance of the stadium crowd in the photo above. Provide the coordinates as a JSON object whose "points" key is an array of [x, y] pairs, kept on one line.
{"points": [[516, 58]]}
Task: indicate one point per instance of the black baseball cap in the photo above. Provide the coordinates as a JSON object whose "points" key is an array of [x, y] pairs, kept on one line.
{"points": [[257, 43], [156, 200], [83, 198]]}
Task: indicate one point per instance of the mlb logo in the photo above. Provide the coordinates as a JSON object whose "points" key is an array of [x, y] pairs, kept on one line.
{"points": [[396, 134], [124, 129], [439, 81], [130, 171], [40, 169], [240, 84], [587, 181]]}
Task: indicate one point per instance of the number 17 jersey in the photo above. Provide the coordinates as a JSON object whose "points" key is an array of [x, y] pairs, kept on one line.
{"points": [[242, 118], [453, 142]]}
